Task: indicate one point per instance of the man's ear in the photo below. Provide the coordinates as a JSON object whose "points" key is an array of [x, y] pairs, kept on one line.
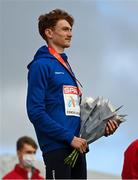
{"points": [[48, 33]]}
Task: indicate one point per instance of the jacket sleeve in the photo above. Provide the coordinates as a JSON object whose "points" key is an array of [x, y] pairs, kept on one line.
{"points": [[37, 85], [130, 166]]}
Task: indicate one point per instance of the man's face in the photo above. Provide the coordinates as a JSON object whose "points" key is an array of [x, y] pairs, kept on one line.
{"points": [[61, 34], [27, 149]]}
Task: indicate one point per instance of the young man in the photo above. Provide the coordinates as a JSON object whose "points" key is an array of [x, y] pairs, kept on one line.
{"points": [[53, 100], [26, 149]]}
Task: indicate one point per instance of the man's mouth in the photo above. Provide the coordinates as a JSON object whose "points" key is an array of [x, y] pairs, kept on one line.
{"points": [[68, 39]]}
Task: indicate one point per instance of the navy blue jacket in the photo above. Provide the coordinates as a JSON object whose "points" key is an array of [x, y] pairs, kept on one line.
{"points": [[45, 102]]}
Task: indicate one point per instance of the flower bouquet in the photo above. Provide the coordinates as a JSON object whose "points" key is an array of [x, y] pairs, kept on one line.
{"points": [[94, 117]]}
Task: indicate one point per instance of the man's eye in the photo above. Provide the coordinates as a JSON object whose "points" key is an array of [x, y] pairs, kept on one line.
{"points": [[30, 152], [67, 29]]}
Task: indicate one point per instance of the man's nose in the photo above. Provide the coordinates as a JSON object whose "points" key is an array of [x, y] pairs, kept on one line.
{"points": [[70, 33]]}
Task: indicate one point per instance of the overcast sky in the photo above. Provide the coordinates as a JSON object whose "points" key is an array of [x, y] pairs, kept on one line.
{"points": [[104, 56]]}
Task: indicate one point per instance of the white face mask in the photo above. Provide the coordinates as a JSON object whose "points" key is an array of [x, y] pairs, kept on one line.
{"points": [[29, 160]]}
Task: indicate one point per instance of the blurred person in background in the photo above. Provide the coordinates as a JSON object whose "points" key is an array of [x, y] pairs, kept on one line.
{"points": [[26, 149], [130, 166], [53, 99]]}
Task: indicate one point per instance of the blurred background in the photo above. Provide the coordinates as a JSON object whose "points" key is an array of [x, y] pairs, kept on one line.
{"points": [[104, 56]]}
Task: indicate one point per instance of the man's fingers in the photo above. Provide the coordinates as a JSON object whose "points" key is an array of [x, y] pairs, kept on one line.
{"points": [[107, 131], [83, 146], [80, 144], [81, 151], [115, 123], [111, 127]]}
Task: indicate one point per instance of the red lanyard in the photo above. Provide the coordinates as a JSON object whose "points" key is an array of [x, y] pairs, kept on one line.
{"points": [[61, 60]]}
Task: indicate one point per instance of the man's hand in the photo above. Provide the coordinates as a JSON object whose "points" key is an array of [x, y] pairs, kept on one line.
{"points": [[79, 144], [111, 127]]}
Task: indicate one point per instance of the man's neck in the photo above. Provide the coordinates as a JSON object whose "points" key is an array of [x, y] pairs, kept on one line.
{"points": [[26, 168], [58, 49]]}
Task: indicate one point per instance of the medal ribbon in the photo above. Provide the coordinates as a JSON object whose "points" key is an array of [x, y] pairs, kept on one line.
{"points": [[61, 60]]}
